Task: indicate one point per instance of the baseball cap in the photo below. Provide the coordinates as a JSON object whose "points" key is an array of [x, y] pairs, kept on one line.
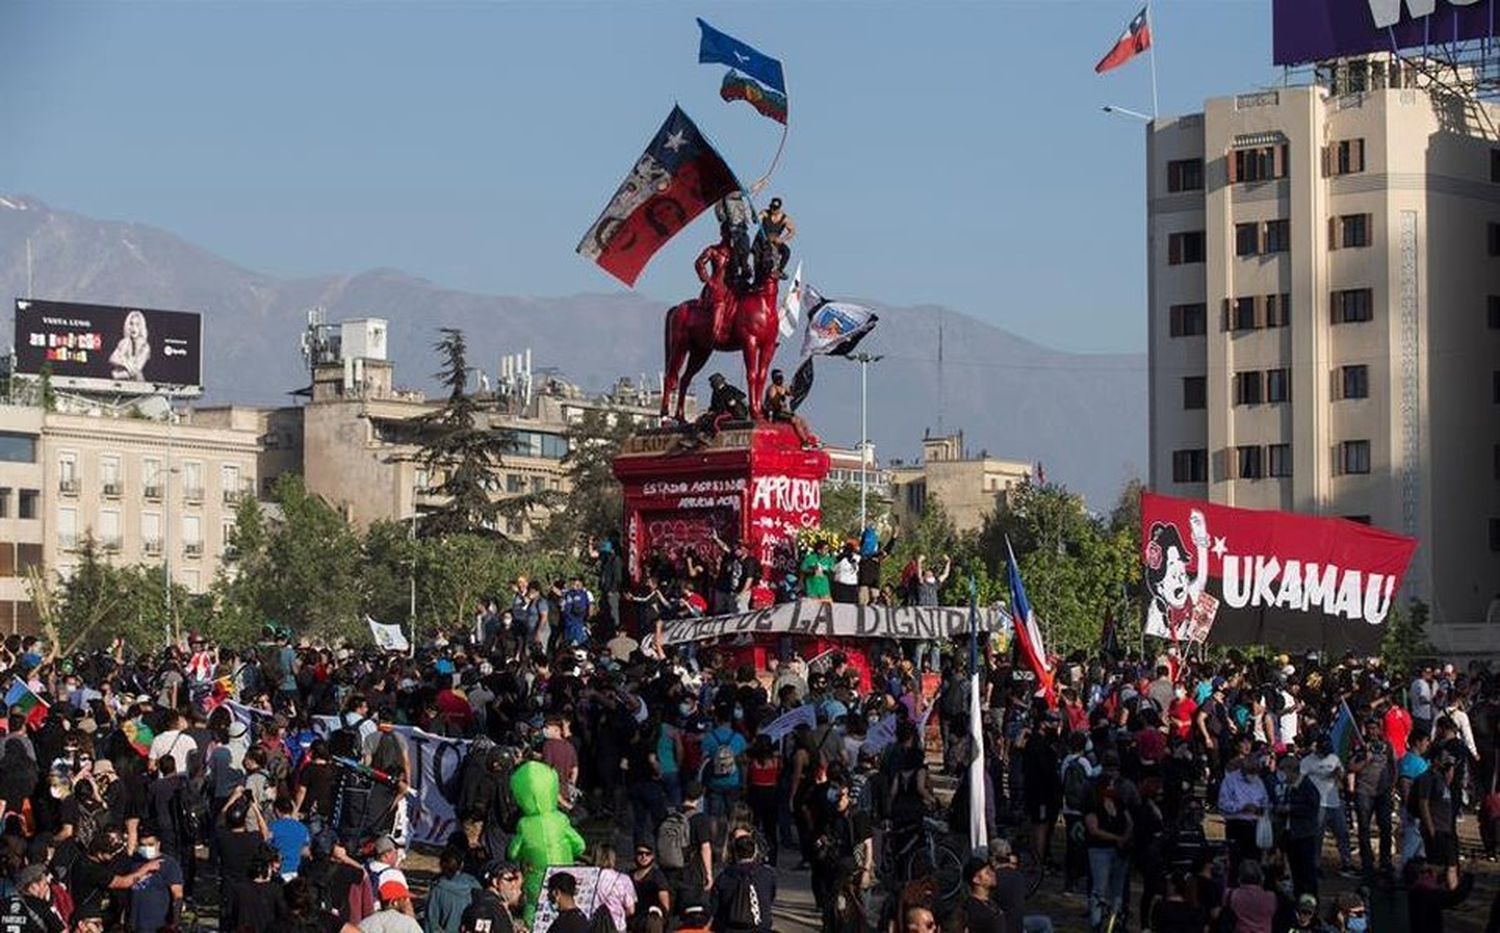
{"points": [[393, 891], [31, 874], [1307, 902], [497, 868]]}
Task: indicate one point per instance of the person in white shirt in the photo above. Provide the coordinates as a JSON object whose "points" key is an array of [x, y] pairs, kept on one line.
{"points": [[846, 575], [1327, 773], [172, 741]]}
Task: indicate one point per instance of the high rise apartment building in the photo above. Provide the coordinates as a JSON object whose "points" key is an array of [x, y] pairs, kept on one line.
{"points": [[1324, 269]]}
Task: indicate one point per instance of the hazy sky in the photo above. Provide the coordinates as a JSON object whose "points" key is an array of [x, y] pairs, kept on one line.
{"points": [[948, 153]]}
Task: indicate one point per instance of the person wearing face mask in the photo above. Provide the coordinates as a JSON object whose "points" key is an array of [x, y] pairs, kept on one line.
{"points": [[1242, 799], [30, 909], [100, 881], [156, 899]]}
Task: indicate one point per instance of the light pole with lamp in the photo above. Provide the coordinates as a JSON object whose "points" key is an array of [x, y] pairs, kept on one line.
{"points": [[864, 360], [1127, 112]]}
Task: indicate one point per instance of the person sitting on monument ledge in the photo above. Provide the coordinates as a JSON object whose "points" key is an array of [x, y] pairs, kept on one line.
{"points": [[727, 403], [775, 235], [779, 408]]}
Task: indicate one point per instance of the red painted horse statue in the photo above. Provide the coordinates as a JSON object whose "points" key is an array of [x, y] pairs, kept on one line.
{"points": [[751, 326]]}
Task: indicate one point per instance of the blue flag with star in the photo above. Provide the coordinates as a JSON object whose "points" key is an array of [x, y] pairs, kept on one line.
{"points": [[718, 47]]}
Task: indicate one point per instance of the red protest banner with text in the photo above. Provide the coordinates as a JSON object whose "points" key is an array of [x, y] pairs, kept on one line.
{"points": [[1243, 576]]}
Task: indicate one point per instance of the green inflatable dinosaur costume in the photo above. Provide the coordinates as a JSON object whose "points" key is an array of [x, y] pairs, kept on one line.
{"points": [[544, 836]]}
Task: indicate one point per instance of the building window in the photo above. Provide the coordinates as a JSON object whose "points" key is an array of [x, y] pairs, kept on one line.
{"points": [[151, 478], [1349, 231], [1246, 239], [1188, 320], [67, 474], [1494, 312], [5, 500], [1354, 381], [1495, 386], [1279, 460], [1353, 305], [1247, 388], [192, 536], [1278, 385], [1190, 466], [514, 525], [1495, 165], [1242, 314], [1248, 462], [1495, 534], [109, 477], [1495, 455], [109, 529], [17, 448], [1279, 310], [1348, 156], [1194, 392], [229, 482], [151, 533], [1261, 163], [192, 481], [27, 503], [67, 527], [1184, 175], [1278, 236], [1185, 248], [515, 483], [1494, 230], [1354, 457]]}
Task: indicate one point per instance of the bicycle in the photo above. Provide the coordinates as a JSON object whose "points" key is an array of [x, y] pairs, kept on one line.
{"points": [[924, 853]]}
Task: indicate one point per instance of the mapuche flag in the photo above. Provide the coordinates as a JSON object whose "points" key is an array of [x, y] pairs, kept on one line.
{"points": [[20, 698], [755, 78], [678, 177], [1133, 41]]}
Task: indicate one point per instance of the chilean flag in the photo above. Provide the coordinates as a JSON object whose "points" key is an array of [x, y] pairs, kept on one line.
{"points": [[678, 177], [1028, 634], [1133, 41]]}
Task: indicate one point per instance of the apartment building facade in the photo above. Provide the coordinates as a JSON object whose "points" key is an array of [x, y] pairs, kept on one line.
{"points": [[1324, 323]]}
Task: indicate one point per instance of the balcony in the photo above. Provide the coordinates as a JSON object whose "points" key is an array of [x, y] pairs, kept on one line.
{"points": [[151, 547], [152, 492], [193, 549], [234, 495], [193, 495], [110, 545], [231, 554], [114, 490], [66, 541], [68, 487]]}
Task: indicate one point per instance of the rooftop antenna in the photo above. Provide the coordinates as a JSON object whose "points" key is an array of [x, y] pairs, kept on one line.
{"points": [[29, 292], [940, 373]]}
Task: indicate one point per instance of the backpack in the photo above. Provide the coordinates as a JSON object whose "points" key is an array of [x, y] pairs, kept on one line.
{"points": [[1075, 785], [672, 840], [185, 813], [602, 921], [744, 907], [723, 764]]}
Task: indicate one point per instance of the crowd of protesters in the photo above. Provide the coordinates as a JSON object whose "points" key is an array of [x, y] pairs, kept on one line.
{"points": [[137, 796]]}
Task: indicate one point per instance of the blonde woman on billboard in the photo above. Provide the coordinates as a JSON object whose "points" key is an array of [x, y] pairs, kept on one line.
{"points": [[133, 351]]}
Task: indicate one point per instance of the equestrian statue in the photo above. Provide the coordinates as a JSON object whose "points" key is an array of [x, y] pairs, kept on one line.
{"points": [[736, 311]]}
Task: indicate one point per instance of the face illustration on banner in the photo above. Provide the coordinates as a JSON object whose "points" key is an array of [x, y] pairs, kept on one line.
{"points": [[1176, 576]]}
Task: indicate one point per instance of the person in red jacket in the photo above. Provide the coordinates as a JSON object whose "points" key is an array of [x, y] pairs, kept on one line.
{"points": [[1396, 723]]}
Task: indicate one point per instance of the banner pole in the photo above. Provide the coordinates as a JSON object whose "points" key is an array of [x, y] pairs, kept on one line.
{"points": [[1151, 25]]}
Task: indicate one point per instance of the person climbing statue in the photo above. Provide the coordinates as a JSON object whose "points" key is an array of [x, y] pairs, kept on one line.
{"points": [[712, 266], [776, 232], [728, 403], [733, 212]]}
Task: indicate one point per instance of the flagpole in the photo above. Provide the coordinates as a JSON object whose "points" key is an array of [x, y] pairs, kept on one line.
{"points": [[1151, 25]]}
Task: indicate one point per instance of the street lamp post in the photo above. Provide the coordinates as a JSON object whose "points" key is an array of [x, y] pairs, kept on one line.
{"points": [[864, 360]]}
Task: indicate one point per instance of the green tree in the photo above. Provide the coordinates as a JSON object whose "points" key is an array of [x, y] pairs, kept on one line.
{"points": [[932, 538], [1405, 643], [594, 506], [1076, 567], [840, 506], [100, 602], [463, 453], [300, 569]]}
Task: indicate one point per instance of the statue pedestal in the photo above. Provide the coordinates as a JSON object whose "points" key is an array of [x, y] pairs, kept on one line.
{"points": [[753, 483]]}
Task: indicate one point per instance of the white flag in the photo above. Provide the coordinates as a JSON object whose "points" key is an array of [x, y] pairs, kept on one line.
{"points": [[388, 637], [791, 305]]}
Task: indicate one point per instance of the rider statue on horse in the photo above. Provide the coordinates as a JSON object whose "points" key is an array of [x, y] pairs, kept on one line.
{"points": [[737, 309]]}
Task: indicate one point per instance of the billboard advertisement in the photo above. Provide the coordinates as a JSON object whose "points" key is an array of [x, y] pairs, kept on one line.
{"points": [[1317, 30], [1241, 576], [116, 349]]}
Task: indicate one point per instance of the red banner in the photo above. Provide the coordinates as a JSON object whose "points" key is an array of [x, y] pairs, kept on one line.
{"points": [[1250, 577]]}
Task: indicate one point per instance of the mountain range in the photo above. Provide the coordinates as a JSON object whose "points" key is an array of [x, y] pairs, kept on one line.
{"points": [[1083, 416]]}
